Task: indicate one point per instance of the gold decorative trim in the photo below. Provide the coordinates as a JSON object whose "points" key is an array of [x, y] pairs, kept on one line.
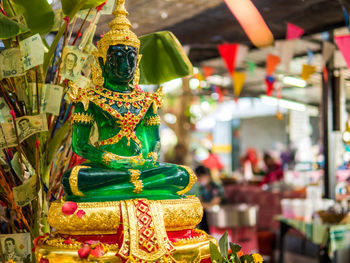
{"points": [[153, 155], [152, 121], [104, 217], [192, 252], [191, 180], [60, 242], [73, 180], [81, 117], [108, 157], [138, 186]]}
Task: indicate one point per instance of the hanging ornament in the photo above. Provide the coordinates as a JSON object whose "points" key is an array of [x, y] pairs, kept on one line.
{"points": [[269, 80], [238, 82], [272, 62], [343, 43], [228, 52], [294, 32], [307, 71]]}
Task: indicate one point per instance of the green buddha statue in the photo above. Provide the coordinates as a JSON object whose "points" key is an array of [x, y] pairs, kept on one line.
{"points": [[123, 164]]}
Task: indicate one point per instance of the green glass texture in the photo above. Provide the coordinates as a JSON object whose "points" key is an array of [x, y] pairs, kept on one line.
{"points": [[111, 181]]}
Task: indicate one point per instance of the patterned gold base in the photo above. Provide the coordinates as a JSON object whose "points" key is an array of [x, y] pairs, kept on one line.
{"points": [[103, 218], [186, 251]]}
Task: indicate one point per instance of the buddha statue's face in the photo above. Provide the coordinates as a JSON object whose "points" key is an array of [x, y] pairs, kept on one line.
{"points": [[120, 65]]}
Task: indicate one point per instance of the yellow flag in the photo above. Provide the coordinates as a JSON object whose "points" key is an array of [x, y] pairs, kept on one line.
{"points": [[307, 71], [238, 81]]}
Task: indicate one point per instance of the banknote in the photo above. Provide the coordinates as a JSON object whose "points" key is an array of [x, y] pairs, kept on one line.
{"points": [[73, 61], [7, 136], [29, 125], [16, 247], [26, 192], [11, 63], [26, 125], [108, 7], [83, 13], [5, 115], [51, 97], [21, 89], [32, 51], [34, 74], [24, 172], [57, 20]]}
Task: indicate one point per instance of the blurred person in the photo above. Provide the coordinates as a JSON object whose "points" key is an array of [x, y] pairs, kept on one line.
{"points": [[250, 164], [274, 171], [210, 193], [215, 165]]}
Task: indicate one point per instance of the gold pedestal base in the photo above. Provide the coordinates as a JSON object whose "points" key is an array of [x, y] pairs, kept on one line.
{"points": [[186, 251]]}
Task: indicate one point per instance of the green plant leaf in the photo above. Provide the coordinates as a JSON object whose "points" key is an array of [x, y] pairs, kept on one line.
{"points": [[10, 28], [52, 149], [38, 14], [235, 247], [163, 58], [247, 259], [215, 255], [223, 244], [69, 5]]}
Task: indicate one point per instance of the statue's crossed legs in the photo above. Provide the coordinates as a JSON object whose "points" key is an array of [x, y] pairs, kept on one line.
{"points": [[93, 182]]}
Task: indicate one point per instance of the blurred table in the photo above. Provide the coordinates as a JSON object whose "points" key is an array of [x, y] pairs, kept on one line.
{"points": [[329, 238], [268, 202]]}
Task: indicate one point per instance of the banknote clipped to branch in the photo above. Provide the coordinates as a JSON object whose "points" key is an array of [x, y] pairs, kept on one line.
{"points": [[35, 114]]}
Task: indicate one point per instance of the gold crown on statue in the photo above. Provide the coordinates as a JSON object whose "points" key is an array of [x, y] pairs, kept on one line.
{"points": [[120, 32]]}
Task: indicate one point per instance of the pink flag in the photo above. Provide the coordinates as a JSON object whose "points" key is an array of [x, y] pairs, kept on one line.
{"points": [[343, 43], [294, 32]]}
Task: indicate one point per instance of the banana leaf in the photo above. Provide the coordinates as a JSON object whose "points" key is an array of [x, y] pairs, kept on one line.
{"points": [[38, 14], [69, 5], [163, 58], [10, 28]]}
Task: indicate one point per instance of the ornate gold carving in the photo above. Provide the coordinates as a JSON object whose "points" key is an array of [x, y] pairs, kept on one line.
{"points": [[138, 186], [191, 180], [134, 174], [134, 179], [186, 252], [73, 180], [153, 155], [152, 121], [59, 242], [108, 157], [145, 238], [104, 217], [82, 117]]}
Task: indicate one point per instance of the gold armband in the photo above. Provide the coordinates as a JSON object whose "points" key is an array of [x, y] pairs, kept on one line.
{"points": [[107, 157], [152, 121], [81, 117], [153, 155]]}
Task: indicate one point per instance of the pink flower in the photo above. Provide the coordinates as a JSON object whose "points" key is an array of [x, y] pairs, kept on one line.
{"points": [[44, 260], [68, 208], [98, 251], [84, 252], [80, 213]]}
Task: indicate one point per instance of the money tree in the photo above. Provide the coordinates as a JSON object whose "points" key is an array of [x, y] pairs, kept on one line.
{"points": [[35, 132]]}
